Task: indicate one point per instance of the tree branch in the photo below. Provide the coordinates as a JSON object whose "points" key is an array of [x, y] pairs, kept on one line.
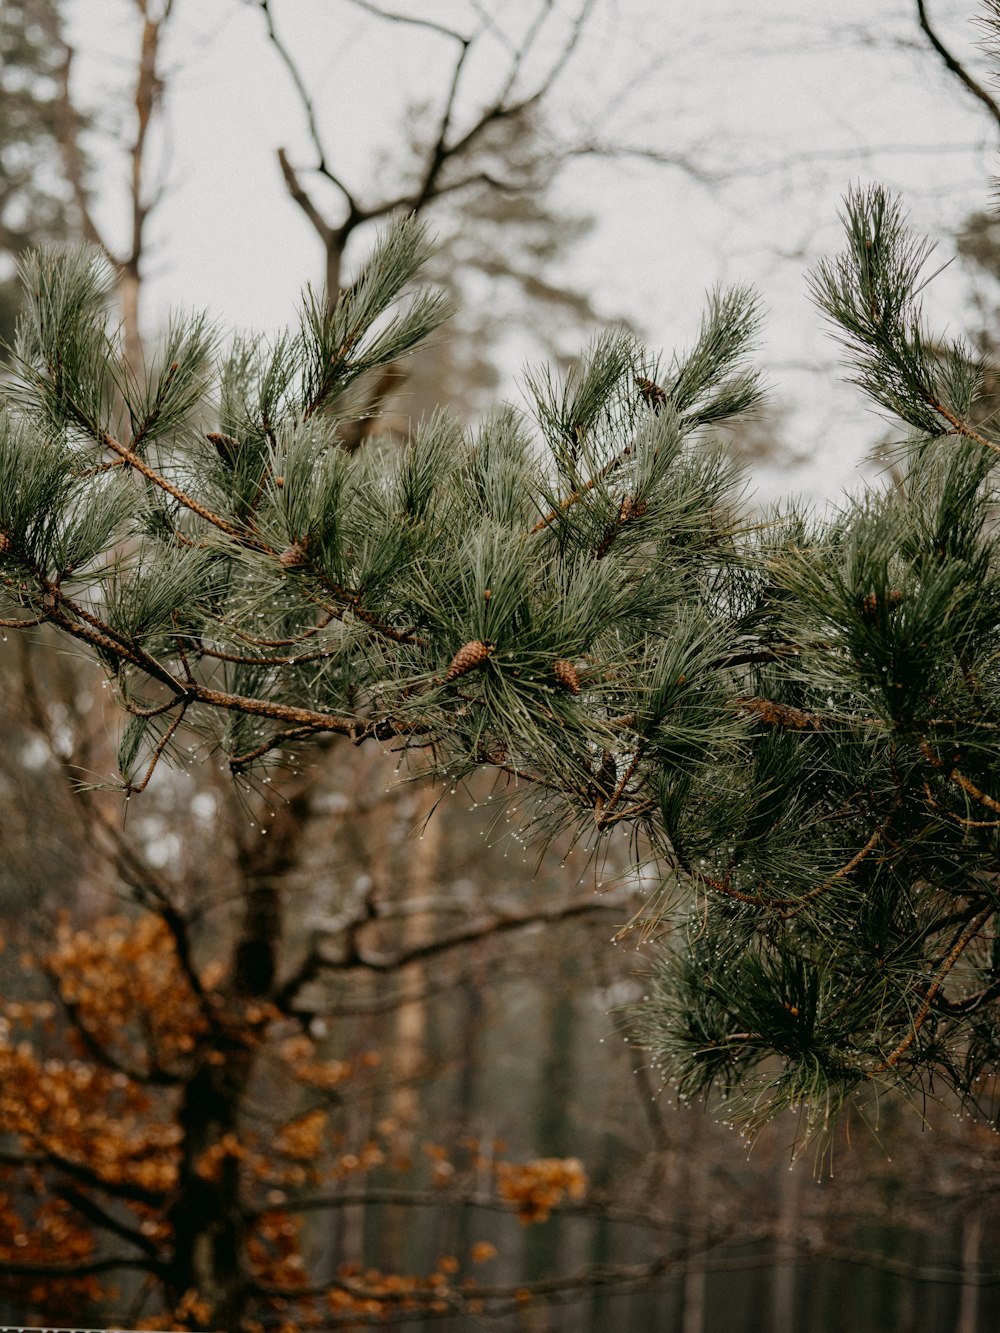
{"points": [[470, 934], [412, 20], [961, 944], [94, 1213], [301, 196], [89, 1268], [954, 66], [68, 125], [119, 1189], [591, 1207]]}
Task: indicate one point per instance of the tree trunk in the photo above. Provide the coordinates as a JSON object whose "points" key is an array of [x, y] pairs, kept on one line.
{"points": [[332, 267], [784, 1271], [209, 1258], [210, 1224], [128, 290], [409, 1038], [693, 1195], [968, 1301]]}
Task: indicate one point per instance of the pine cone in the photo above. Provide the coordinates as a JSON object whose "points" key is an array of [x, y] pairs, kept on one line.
{"points": [[5, 542], [469, 656], [631, 508], [872, 605], [567, 675], [292, 555], [226, 446], [607, 772], [651, 393]]}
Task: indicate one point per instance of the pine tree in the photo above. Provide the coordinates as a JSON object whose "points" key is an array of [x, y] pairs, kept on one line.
{"points": [[794, 719], [855, 951]]}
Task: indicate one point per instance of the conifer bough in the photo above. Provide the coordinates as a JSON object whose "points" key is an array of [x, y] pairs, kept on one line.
{"points": [[798, 718]]}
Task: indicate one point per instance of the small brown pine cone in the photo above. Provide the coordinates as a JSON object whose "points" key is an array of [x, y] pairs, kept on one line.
{"points": [[226, 446], [5, 542], [651, 393], [469, 656], [631, 508], [567, 675], [292, 555], [872, 604], [607, 771]]}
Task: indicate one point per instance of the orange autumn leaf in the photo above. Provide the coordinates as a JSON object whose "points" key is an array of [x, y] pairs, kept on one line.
{"points": [[536, 1187]]}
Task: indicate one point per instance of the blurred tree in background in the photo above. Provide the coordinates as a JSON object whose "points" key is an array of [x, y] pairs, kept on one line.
{"points": [[36, 203]]}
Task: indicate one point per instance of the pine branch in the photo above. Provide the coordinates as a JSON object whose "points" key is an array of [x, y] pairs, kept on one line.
{"points": [[973, 929], [133, 460]]}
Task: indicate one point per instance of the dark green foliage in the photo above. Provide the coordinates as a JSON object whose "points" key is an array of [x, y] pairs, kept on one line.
{"points": [[797, 720], [861, 833]]}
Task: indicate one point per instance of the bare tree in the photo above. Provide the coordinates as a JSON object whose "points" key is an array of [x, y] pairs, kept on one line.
{"points": [[147, 97], [476, 153], [451, 154]]}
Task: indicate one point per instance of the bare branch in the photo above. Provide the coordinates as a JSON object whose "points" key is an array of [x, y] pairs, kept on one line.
{"points": [[551, 1290], [302, 197], [89, 1268], [955, 66], [440, 152], [449, 146], [296, 77], [563, 58], [658, 157], [414, 22], [481, 930], [408, 1198], [296, 190], [68, 126], [93, 1212]]}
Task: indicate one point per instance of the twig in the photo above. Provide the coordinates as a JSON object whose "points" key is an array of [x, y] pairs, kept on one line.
{"points": [[161, 746], [296, 191], [575, 496], [958, 819], [842, 873], [959, 778], [470, 934], [962, 943], [780, 715], [301, 196], [959, 426], [391, 17], [189, 502], [954, 66]]}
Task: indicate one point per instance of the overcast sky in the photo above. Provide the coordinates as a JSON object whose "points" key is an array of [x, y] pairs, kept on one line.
{"points": [[781, 103]]}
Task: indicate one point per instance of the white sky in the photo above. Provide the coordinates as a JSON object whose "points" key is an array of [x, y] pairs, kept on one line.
{"points": [[788, 101]]}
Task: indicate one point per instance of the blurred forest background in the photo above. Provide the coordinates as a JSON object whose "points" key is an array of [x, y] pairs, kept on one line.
{"points": [[352, 1018]]}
